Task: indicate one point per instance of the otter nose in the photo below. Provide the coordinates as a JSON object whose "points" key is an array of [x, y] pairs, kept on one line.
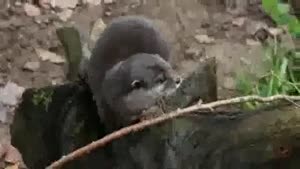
{"points": [[178, 80]]}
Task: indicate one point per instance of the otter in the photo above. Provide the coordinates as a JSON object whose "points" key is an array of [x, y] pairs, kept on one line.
{"points": [[128, 70]]}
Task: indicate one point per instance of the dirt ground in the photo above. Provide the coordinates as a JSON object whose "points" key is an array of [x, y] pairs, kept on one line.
{"points": [[194, 30]]}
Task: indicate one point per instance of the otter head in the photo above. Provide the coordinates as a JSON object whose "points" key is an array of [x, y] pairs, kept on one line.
{"points": [[134, 85]]}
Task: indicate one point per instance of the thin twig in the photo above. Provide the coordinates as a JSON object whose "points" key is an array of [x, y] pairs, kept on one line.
{"points": [[180, 112], [293, 102]]}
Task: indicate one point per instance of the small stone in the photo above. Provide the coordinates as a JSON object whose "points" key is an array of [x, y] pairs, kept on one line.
{"points": [[10, 94], [57, 81], [38, 21], [238, 21], [31, 66], [31, 10], [252, 42], [275, 31], [204, 39], [49, 56], [107, 13], [64, 4], [92, 2], [18, 3], [65, 14], [108, 1]]}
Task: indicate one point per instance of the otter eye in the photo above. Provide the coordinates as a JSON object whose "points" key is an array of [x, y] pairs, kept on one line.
{"points": [[136, 84], [161, 79]]}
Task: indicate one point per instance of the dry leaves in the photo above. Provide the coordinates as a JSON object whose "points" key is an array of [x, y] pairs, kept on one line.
{"points": [[10, 156]]}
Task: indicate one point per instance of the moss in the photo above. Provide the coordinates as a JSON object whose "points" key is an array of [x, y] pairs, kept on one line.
{"points": [[42, 97]]}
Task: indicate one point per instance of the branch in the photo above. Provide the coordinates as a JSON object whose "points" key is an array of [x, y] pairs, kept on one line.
{"points": [[180, 112]]}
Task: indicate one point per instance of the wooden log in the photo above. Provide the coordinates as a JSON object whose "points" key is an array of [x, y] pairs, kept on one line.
{"points": [[59, 119], [267, 138]]}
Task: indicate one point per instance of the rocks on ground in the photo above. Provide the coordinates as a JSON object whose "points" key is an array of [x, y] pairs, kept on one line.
{"points": [[32, 66], [9, 98], [96, 31], [92, 2], [204, 39], [49, 56], [31, 10], [65, 14], [10, 157]]}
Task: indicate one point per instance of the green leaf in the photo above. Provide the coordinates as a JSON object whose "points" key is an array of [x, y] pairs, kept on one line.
{"points": [[283, 68], [263, 90], [283, 8], [269, 5], [270, 87], [282, 14], [243, 84], [294, 27]]}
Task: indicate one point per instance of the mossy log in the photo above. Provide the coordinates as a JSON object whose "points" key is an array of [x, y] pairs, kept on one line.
{"points": [[45, 129]]}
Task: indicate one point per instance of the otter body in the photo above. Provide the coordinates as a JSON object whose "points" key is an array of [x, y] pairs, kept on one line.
{"points": [[129, 70]]}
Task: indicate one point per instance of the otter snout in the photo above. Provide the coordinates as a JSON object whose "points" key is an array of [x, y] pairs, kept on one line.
{"points": [[178, 81], [175, 79]]}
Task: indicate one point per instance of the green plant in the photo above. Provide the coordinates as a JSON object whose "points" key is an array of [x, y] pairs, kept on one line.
{"points": [[280, 12], [283, 76], [42, 97], [280, 79]]}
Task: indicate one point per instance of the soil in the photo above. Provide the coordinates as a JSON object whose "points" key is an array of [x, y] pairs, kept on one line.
{"points": [[181, 22]]}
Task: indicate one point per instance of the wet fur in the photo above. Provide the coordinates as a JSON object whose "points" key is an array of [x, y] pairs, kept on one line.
{"points": [[129, 48]]}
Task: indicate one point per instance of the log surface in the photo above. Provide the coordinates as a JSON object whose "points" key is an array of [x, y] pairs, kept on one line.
{"points": [[267, 139]]}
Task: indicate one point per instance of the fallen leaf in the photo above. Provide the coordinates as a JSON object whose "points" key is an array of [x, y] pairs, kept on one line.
{"points": [[93, 2], [252, 42], [32, 66], [12, 155], [238, 21], [10, 94], [49, 56], [64, 4], [205, 39], [108, 1], [31, 10]]}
